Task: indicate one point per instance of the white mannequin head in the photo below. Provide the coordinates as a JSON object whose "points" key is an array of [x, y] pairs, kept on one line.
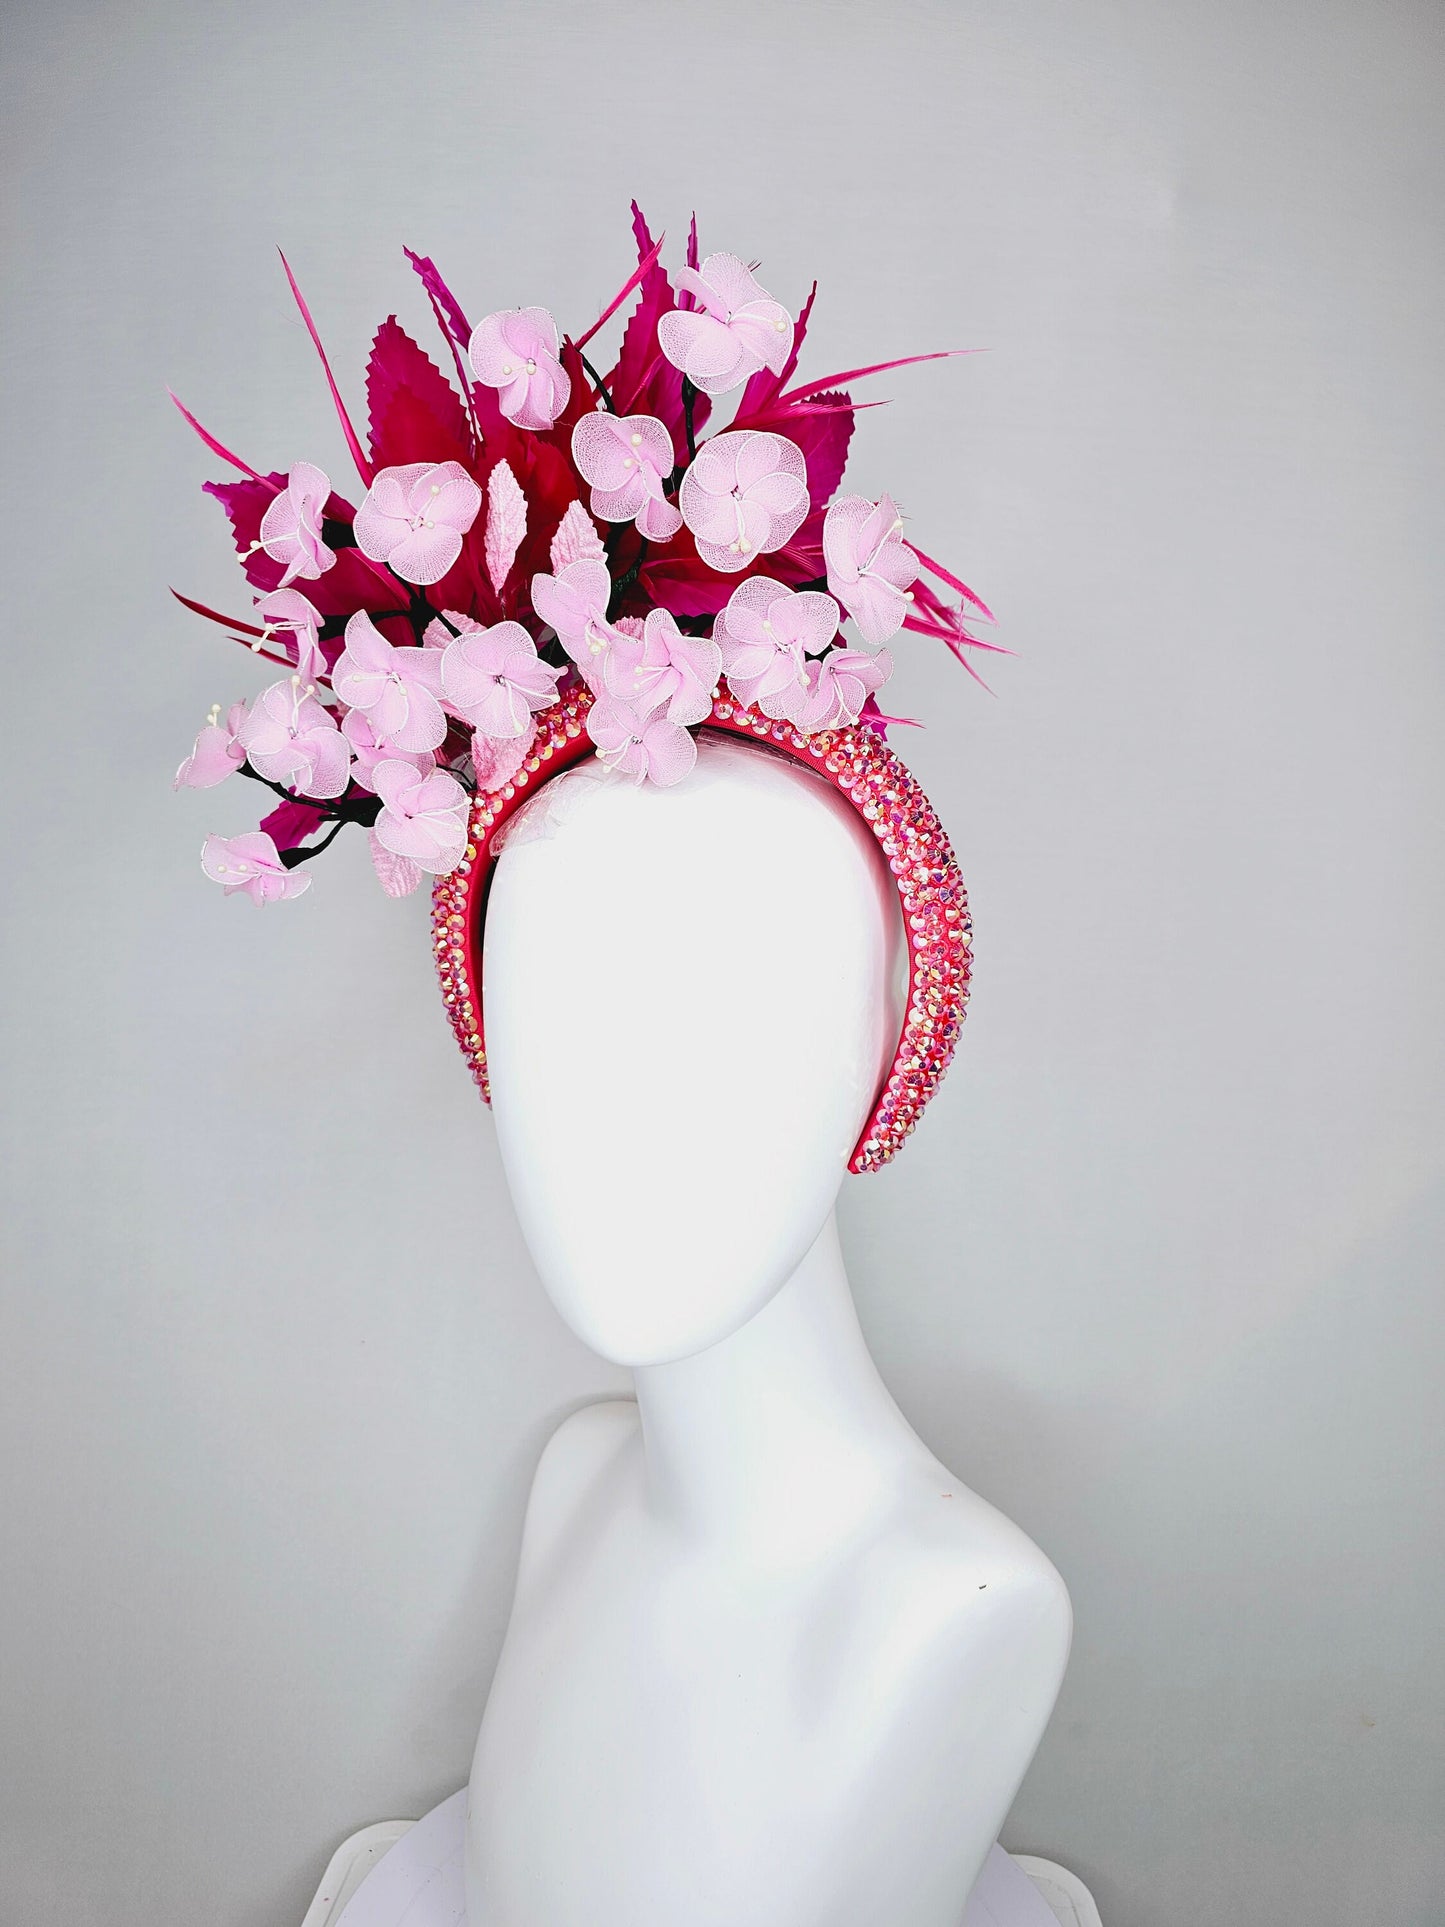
{"points": [[692, 996]]}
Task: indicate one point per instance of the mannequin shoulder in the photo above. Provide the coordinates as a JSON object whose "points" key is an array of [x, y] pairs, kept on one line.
{"points": [[968, 1567], [574, 1460]]}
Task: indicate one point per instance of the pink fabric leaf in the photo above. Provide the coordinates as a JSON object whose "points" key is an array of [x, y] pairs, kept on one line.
{"points": [[251, 863], [217, 754], [515, 351], [397, 875], [870, 566], [576, 539], [648, 749], [662, 669], [627, 459], [496, 759], [363, 467], [735, 329], [414, 412], [743, 497], [423, 817], [765, 636], [506, 523], [398, 689], [414, 518], [291, 739]]}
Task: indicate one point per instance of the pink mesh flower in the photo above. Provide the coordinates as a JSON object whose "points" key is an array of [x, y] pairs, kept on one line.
{"points": [[869, 564], [397, 688], [291, 738], [765, 633], [745, 494], [287, 611], [494, 678], [216, 754], [251, 863], [647, 748], [574, 602], [369, 750], [414, 518], [423, 817], [663, 669], [291, 527], [627, 459], [737, 330], [515, 352], [838, 687]]}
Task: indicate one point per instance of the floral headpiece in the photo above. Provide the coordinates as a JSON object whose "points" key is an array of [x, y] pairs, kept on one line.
{"points": [[549, 562]]}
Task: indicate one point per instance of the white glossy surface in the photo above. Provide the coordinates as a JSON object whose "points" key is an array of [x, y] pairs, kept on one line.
{"points": [[768, 1660]]}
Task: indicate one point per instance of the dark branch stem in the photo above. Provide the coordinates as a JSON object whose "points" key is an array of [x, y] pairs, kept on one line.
{"points": [[600, 385], [689, 397]]}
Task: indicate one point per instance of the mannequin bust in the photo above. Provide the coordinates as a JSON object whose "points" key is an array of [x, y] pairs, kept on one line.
{"points": [[768, 1661]]}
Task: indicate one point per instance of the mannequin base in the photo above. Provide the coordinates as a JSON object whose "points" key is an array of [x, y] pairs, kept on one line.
{"points": [[403, 1871]]}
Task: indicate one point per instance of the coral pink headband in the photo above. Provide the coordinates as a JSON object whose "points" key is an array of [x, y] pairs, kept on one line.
{"points": [[860, 766]]}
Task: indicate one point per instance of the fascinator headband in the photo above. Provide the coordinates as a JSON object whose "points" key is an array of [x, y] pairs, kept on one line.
{"points": [[548, 563]]}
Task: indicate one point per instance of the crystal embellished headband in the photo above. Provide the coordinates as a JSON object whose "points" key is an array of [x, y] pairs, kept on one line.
{"points": [[550, 563]]}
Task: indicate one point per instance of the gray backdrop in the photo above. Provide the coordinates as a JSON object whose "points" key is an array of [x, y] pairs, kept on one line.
{"points": [[1160, 1274]]}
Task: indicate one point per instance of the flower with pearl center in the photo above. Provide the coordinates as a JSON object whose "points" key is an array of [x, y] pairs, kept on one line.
{"points": [[744, 496], [414, 518], [765, 635], [869, 564], [627, 460], [516, 352], [398, 688], [290, 530], [736, 329]]}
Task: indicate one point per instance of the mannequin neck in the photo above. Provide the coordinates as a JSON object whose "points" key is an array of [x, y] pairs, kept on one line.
{"points": [[782, 1437]]}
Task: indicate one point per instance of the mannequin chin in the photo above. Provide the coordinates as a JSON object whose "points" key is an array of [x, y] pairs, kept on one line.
{"points": [[692, 996]]}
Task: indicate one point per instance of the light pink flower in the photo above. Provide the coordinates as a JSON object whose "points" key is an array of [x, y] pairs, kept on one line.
{"points": [[738, 329], [765, 634], [216, 754], [574, 602], [291, 738], [839, 685], [423, 817], [291, 526], [251, 863], [414, 518], [869, 564], [288, 610], [627, 459], [369, 749], [647, 748], [663, 669], [398, 688], [494, 678], [515, 352], [745, 494]]}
